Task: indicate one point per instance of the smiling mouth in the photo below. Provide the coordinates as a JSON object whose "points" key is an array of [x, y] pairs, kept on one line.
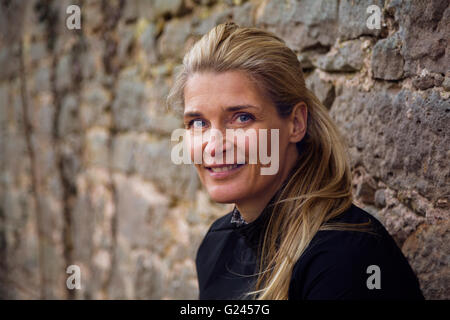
{"points": [[224, 168]]}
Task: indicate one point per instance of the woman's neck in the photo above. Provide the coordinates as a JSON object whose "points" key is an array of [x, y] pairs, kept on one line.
{"points": [[250, 209]]}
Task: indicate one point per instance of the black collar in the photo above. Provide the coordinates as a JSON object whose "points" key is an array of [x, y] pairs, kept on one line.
{"points": [[253, 232]]}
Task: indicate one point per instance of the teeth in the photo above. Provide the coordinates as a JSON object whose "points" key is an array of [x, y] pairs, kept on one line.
{"points": [[226, 168]]}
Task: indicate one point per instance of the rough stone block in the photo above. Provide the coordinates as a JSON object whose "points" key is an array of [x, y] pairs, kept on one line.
{"points": [[348, 57], [129, 101], [303, 24], [153, 162], [148, 42], [68, 118], [217, 16], [323, 90], [173, 40], [387, 61], [10, 62], [124, 151], [97, 153], [40, 81], [426, 30], [138, 203], [94, 101], [427, 251], [64, 73], [353, 17], [399, 137], [243, 15]]}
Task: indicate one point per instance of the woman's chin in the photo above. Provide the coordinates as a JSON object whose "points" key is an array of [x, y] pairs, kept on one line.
{"points": [[221, 195]]}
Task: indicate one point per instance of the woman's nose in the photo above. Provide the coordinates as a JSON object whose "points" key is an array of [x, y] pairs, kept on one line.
{"points": [[217, 144]]}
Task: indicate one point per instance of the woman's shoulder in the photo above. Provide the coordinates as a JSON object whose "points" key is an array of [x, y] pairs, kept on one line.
{"points": [[338, 263], [355, 214], [359, 234], [217, 232]]}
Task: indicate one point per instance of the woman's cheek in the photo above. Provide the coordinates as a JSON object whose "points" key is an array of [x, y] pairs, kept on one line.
{"points": [[194, 145], [246, 146]]}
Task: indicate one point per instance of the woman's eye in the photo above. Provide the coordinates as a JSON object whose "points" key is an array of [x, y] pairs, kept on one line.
{"points": [[244, 117], [196, 123]]}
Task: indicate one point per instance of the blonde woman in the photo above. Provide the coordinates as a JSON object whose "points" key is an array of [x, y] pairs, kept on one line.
{"points": [[293, 233]]}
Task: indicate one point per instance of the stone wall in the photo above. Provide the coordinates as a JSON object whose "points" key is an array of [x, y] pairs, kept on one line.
{"points": [[86, 176]]}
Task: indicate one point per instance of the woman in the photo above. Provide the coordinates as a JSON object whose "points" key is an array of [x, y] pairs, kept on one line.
{"points": [[293, 234]]}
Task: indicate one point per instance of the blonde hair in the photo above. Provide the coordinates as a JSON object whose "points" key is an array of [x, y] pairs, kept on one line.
{"points": [[320, 186]]}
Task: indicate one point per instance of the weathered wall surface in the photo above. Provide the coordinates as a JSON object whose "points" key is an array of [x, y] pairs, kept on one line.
{"points": [[85, 170]]}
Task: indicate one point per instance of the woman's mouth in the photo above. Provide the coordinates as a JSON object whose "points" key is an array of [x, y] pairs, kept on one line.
{"points": [[223, 171]]}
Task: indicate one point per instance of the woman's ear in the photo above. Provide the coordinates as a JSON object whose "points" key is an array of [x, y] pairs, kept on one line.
{"points": [[298, 122]]}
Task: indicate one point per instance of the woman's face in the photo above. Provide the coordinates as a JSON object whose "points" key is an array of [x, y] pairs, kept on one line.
{"points": [[229, 100]]}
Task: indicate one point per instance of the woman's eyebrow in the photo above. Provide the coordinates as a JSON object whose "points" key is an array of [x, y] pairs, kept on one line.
{"points": [[226, 109], [192, 114], [239, 107]]}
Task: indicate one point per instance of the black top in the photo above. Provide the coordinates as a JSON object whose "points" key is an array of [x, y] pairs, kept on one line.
{"points": [[335, 265]]}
